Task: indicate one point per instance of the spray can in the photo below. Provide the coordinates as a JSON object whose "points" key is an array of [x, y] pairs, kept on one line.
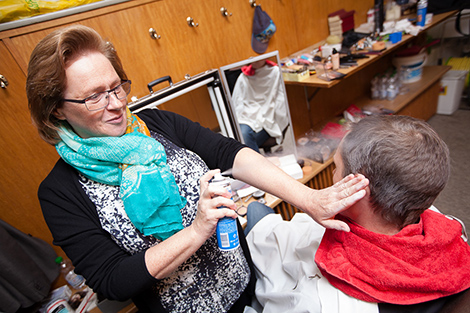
{"points": [[227, 231], [421, 14]]}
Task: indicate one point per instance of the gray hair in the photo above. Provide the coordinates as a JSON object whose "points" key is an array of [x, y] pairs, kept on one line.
{"points": [[406, 162]]}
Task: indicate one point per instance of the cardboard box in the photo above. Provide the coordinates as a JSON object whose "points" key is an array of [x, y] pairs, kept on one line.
{"points": [[347, 19], [296, 77]]}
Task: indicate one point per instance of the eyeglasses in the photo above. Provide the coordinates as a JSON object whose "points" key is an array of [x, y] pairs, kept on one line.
{"points": [[100, 100]]}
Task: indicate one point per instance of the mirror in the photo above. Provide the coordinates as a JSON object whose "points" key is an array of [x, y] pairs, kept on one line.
{"points": [[257, 97], [199, 98]]}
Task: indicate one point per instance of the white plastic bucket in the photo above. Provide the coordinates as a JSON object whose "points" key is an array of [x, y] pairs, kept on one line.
{"points": [[410, 67]]}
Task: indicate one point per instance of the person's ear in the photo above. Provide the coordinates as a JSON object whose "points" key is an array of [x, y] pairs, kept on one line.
{"points": [[58, 114]]}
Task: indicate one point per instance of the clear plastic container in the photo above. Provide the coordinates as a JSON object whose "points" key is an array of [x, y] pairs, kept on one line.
{"points": [[374, 88], [383, 85], [74, 280], [392, 89]]}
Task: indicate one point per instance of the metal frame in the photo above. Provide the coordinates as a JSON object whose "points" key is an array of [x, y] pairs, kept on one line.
{"points": [[211, 79]]}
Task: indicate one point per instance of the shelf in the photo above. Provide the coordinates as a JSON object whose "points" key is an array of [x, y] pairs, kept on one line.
{"points": [[431, 75], [314, 81]]}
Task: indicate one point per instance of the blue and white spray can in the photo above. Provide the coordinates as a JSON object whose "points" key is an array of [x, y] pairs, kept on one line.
{"points": [[421, 12], [227, 231]]}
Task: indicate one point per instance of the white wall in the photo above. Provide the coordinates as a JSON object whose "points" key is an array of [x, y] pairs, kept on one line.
{"points": [[452, 43]]}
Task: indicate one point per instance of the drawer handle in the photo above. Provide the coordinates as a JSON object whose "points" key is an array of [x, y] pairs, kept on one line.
{"points": [[3, 82], [191, 23], [225, 12], [158, 81], [153, 34]]}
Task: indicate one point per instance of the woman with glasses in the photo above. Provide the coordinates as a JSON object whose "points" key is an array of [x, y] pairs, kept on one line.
{"points": [[129, 200]]}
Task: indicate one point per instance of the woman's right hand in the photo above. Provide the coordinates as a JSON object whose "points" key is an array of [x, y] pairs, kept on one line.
{"points": [[210, 198]]}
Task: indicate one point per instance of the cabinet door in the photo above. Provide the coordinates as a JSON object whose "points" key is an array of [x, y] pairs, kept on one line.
{"points": [[180, 50], [26, 159]]}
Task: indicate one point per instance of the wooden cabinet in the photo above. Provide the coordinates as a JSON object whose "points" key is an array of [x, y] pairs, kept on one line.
{"points": [[25, 158], [181, 49]]}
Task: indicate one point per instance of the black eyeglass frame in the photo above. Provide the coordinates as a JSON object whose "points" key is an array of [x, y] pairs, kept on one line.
{"points": [[113, 90]]}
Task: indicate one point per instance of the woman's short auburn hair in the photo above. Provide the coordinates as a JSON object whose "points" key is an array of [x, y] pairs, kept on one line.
{"points": [[46, 79]]}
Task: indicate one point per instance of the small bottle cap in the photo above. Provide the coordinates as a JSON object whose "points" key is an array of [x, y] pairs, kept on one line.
{"points": [[217, 178]]}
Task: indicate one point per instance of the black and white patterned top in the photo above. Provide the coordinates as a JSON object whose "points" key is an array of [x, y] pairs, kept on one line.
{"points": [[209, 281]]}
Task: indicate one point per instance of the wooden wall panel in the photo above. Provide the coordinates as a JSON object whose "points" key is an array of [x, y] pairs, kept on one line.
{"points": [[217, 41], [200, 99], [182, 50], [425, 106], [311, 18], [328, 102], [299, 109], [26, 159]]}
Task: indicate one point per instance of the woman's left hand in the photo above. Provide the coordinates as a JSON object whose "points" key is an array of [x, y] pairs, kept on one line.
{"points": [[321, 205], [332, 200]]}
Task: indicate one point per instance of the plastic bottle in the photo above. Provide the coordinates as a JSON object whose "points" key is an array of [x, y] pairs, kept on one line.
{"points": [[393, 12], [328, 63], [374, 89], [421, 14], [392, 91], [383, 85], [389, 13], [227, 231], [335, 59], [75, 281]]}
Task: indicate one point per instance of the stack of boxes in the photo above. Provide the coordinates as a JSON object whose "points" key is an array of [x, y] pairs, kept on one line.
{"points": [[346, 21], [334, 24]]}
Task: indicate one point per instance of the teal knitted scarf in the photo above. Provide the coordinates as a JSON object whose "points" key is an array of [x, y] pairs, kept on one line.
{"points": [[136, 163]]}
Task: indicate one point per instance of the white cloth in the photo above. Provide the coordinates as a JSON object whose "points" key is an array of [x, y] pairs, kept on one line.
{"points": [[260, 101], [288, 279]]}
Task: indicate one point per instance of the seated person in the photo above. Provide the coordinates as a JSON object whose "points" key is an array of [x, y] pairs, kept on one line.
{"points": [[399, 256], [260, 103]]}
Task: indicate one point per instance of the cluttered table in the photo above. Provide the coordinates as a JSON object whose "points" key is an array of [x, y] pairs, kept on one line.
{"points": [[314, 81]]}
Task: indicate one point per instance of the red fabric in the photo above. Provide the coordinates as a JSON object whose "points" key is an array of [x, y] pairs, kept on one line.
{"points": [[333, 130], [423, 262], [248, 70], [271, 63]]}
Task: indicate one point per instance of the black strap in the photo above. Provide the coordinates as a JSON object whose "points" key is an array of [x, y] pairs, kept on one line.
{"points": [[457, 25]]}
